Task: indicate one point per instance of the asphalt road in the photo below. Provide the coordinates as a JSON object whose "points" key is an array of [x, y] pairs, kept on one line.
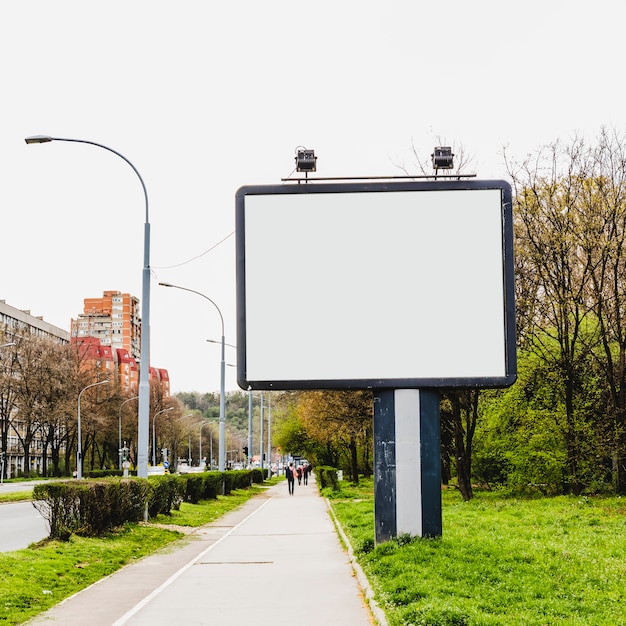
{"points": [[20, 525]]}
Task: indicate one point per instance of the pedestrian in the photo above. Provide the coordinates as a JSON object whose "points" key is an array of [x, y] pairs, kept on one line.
{"points": [[299, 474], [305, 474], [290, 478]]}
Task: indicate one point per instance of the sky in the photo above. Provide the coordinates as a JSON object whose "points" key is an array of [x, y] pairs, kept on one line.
{"points": [[205, 97]]}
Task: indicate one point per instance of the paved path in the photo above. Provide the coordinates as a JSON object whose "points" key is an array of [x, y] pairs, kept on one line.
{"points": [[276, 560]]}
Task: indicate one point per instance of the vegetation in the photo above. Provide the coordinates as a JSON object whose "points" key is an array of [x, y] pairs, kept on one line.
{"points": [[501, 561], [42, 575], [561, 429], [94, 507]]}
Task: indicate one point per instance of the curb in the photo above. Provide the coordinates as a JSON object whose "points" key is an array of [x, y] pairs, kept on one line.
{"points": [[377, 612]]}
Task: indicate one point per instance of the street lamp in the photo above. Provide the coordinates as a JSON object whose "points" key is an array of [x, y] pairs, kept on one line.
{"points": [[79, 455], [202, 425], [221, 455], [153, 434], [120, 429], [269, 435], [143, 424]]}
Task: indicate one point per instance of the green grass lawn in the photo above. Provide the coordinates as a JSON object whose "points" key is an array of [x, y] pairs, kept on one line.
{"points": [[37, 578], [16, 496], [500, 561]]}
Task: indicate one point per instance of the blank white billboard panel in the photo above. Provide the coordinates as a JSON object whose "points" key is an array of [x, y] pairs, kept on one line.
{"points": [[396, 285]]}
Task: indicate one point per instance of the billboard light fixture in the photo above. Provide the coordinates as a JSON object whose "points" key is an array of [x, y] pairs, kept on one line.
{"points": [[442, 157], [306, 161]]}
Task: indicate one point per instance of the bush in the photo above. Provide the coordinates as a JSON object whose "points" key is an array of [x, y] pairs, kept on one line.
{"points": [[166, 493], [103, 473], [92, 508], [89, 508], [327, 477]]}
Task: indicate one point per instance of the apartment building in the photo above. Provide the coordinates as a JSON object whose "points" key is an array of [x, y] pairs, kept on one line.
{"points": [[109, 328], [108, 336], [114, 319], [14, 324]]}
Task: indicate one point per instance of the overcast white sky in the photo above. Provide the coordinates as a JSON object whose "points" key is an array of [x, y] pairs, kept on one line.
{"points": [[204, 97]]}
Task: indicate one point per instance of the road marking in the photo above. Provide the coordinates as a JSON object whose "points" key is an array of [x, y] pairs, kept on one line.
{"points": [[140, 605]]}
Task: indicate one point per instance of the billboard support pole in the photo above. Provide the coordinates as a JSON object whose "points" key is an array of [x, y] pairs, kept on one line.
{"points": [[407, 463]]}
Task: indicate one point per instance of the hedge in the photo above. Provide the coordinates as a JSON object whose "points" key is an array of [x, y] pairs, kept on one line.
{"points": [[93, 507], [327, 477]]}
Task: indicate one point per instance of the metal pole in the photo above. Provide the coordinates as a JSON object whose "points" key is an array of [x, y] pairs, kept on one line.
{"points": [[154, 440], [153, 433], [222, 404], [200, 453], [249, 426], [120, 430], [79, 452], [143, 422], [269, 435], [262, 440], [222, 448]]}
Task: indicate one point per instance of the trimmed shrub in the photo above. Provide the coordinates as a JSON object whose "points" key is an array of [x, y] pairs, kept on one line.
{"points": [[89, 508], [194, 488], [94, 507], [166, 493], [256, 476], [327, 477]]}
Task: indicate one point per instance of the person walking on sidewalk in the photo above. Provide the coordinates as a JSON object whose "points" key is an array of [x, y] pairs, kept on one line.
{"points": [[291, 480], [305, 474]]}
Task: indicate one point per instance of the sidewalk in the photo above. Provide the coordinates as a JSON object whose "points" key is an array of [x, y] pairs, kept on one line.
{"points": [[277, 559]]}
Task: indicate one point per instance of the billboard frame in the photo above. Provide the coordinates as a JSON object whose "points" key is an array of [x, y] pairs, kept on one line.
{"points": [[509, 373]]}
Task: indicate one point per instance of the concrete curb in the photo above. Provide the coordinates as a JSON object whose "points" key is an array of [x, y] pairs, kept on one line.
{"points": [[377, 612]]}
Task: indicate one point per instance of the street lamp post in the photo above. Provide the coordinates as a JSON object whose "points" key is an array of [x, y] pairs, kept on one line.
{"points": [[153, 434], [269, 435], [249, 427], [143, 424], [262, 437], [79, 454], [221, 451], [202, 425], [119, 447]]}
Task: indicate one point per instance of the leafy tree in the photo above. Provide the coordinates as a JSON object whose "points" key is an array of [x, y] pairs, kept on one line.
{"points": [[546, 240], [342, 419], [460, 414]]}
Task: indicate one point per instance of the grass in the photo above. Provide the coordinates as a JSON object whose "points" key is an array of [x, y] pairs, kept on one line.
{"points": [[499, 562], [37, 578], [16, 496]]}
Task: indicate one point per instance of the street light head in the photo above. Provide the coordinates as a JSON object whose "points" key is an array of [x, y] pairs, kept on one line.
{"points": [[306, 161], [442, 157], [166, 284], [39, 139]]}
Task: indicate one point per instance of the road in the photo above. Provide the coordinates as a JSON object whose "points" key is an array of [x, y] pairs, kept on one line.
{"points": [[20, 525]]}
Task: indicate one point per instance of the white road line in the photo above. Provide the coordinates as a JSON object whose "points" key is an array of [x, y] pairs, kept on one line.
{"points": [[124, 619]]}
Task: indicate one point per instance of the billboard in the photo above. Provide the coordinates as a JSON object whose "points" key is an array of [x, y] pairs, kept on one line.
{"points": [[375, 285]]}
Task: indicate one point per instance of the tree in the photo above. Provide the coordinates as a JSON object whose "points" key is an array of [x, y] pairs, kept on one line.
{"points": [[342, 419], [601, 213], [8, 397], [571, 231], [547, 188], [462, 407]]}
